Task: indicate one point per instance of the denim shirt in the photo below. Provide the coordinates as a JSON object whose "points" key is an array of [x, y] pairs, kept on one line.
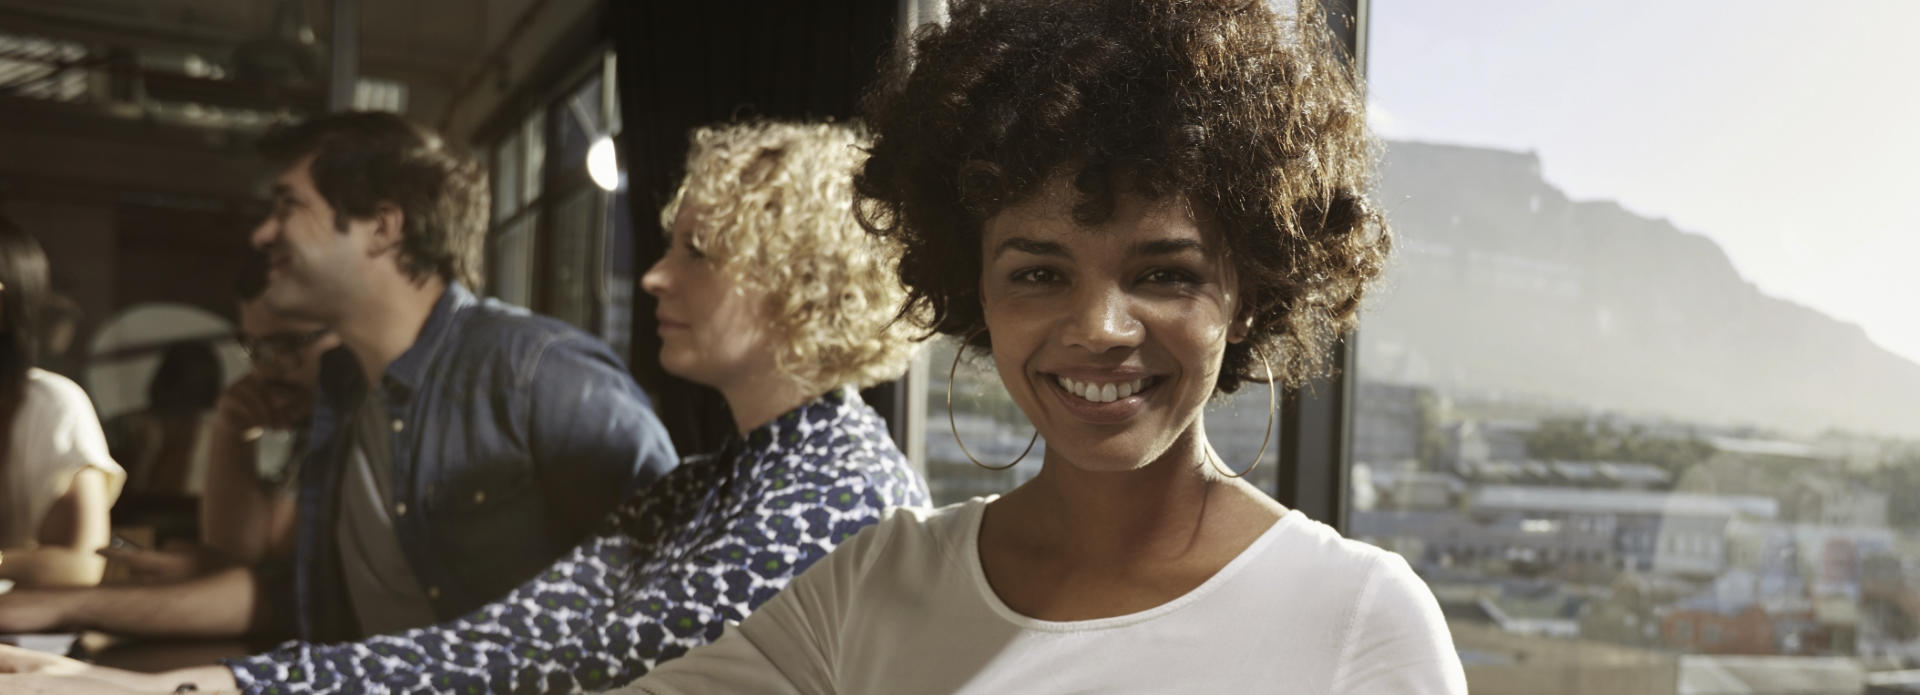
{"points": [[513, 435]]}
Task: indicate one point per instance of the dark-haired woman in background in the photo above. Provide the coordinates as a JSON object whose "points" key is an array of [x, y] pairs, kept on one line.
{"points": [[57, 482], [1133, 206], [163, 446]]}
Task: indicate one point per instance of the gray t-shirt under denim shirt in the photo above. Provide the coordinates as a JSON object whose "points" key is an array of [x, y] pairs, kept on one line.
{"points": [[381, 585]]}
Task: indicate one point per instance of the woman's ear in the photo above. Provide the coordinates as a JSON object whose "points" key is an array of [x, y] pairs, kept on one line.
{"points": [[1241, 327]]}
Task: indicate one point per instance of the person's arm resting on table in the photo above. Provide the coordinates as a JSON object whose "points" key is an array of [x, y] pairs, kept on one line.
{"points": [[75, 527]]}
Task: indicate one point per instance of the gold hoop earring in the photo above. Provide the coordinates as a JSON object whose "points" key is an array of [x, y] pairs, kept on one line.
{"points": [[955, 428], [1265, 437]]}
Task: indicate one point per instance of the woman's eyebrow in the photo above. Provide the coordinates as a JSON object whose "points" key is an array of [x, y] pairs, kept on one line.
{"points": [[1032, 246], [1168, 247]]}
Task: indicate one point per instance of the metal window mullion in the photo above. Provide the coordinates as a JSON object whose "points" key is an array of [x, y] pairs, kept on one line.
{"points": [[1316, 419]]}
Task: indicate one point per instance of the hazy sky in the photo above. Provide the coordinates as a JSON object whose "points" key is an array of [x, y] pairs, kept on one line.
{"points": [[1789, 132]]}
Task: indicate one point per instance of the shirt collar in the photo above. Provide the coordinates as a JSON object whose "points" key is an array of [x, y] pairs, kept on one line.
{"points": [[799, 424], [411, 367], [341, 383]]}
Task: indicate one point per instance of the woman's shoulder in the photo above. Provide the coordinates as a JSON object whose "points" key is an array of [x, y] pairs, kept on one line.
{"points": [[65, 431], [1393, 635], [950, 524], [843, 444], [1338, 560], [915, 539], [52, 404], [46, 388]]}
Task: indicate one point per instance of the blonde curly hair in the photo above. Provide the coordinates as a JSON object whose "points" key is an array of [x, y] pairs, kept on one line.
{"points": [[776, 204]]}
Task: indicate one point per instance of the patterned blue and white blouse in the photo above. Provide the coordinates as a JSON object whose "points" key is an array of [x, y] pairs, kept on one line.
{"points": [[708, 543]]}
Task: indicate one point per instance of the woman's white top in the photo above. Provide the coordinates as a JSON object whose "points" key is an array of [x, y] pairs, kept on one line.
{"points": [[904, 607], [55, 435]]}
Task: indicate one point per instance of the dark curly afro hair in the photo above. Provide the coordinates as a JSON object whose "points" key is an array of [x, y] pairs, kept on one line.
{"points": [[1252, 115]]}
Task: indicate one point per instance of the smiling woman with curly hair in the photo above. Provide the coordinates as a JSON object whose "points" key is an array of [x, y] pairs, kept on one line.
{"points": [[1132, 206]]}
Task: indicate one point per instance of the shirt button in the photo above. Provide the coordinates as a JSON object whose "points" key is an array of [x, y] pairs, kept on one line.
{"points": [[400, 509], [398, 425], [479, 496], [433, 593]]}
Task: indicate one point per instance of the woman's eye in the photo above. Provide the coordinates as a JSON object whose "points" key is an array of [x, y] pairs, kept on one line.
{"points": [[693, 252], [1035, 276], [1169, 276]]}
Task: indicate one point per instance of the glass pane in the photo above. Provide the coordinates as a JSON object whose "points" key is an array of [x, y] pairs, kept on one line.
{"points": [[984, 418], [506, 177], [614, 124], [617, 320], [574, 263], [510, 262], [1635, 399], [534, 133], [1237, 424], [581, 122]]}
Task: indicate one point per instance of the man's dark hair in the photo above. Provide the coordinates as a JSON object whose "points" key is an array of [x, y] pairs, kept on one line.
{"points": [[365, 158]]}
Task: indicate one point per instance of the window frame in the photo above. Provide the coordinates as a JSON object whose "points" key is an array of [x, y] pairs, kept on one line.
{"points": [[560, 183]]}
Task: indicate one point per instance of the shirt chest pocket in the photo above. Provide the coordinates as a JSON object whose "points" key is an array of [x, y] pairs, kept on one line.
{"points": [[490, 521]]}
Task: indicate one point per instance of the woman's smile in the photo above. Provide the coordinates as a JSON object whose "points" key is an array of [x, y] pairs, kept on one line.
{"points": [[1116, 327], [1104, 399]]}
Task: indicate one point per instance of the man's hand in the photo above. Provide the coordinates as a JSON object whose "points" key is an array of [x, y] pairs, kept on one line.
{"points": [[17, 660], [257, 402], [29, 610]]}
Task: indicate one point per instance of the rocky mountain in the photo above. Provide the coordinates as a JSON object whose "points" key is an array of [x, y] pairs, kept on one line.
{"points": [[1503, 286]]}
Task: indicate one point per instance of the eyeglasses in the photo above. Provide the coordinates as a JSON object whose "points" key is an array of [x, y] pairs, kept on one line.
{"points": [[279, 352]]}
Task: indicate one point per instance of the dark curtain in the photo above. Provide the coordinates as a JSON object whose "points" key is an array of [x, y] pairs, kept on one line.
{"points": [[688, 63]]}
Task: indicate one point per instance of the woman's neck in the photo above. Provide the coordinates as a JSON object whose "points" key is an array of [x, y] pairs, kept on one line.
{"points": [[757, 399], [1154, 512]]}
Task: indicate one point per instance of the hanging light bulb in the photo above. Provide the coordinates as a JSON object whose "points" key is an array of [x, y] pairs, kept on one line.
{"points": [[603, 165]]}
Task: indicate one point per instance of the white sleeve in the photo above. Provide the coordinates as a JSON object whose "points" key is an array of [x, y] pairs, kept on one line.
{"points": [[730, 664], [789, 645], [70, 437], [1398, 642]]}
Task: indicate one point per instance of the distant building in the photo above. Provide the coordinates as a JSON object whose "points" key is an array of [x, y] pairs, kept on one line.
{"points": [[1766, 451], [1387, 422], [1748, 630], [1407, 488], [1674, 533], [1607, 474], [1817, 498], [1474, 441]]}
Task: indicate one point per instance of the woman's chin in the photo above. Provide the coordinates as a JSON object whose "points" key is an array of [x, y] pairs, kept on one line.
{"points": [[1111, 455], [680, 364]]}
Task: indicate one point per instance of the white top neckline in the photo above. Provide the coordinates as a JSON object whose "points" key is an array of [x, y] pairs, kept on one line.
{"points": [[974, 513]]}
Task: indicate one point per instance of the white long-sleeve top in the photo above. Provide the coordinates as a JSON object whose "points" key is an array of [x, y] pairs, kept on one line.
{"points": [[904, 607]]}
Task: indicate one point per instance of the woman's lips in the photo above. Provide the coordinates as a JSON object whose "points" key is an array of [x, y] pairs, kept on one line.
{"points": [[1101, 410]]}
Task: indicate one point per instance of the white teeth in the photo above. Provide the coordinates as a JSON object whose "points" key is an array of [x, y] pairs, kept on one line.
{"points": [[1103, 393]]}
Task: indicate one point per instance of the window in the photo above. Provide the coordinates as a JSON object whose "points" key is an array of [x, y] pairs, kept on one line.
{"points": [[1630, 283], [43, 68], [560, 243]]}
